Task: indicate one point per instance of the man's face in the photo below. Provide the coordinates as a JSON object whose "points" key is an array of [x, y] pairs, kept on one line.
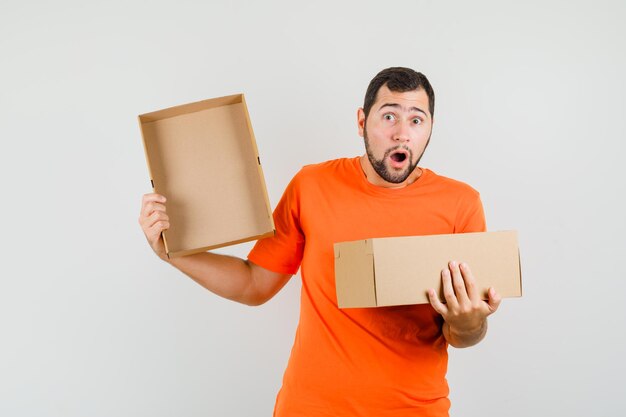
{"points": [[396, 133]]}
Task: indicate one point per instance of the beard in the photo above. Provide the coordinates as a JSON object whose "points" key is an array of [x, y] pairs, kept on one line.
{"points": [[381, 168]]}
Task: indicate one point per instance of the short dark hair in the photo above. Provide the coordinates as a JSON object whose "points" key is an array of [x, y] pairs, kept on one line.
{"points": [[398, 79]]}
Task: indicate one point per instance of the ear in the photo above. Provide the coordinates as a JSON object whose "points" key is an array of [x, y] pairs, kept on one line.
{"points": [[360, 121]]}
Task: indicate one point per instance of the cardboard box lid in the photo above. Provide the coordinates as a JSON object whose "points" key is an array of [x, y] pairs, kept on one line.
{"points": [[400, 270], [203, 157]]}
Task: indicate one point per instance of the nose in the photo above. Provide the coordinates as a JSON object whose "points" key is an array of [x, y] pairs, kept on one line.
{"points": [[402, 132]]}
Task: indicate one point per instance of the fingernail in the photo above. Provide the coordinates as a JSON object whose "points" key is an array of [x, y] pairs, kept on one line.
{"points": [[453, 264]]}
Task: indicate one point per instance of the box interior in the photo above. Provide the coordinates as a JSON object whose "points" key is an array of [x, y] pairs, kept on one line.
{"points": [[203, 158]]}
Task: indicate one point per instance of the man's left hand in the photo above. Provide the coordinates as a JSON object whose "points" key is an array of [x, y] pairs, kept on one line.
{"points": [[465, 312]]}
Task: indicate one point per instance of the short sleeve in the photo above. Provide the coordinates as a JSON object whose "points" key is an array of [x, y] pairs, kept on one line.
{"points": [[470, 215], [282, 252]]}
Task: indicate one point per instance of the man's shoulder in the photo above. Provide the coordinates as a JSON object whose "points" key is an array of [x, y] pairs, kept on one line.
{"points": [[326, 168], [451, 184]]}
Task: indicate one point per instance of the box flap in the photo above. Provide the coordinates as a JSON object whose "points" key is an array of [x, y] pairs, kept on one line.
{"points": [[354, 272]]}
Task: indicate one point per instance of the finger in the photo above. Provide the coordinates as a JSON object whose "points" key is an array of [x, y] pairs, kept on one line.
{"points": [[151, 201], [151, 207], [159, 227], [448, 290], [494, 300], [458, 283], [152, 198], [436, 303], [157, 216], [147, 222], [154, 233], [470, 282]]}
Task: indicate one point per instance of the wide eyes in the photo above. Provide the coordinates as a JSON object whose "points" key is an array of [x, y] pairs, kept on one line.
{"points": [[392, 118]]}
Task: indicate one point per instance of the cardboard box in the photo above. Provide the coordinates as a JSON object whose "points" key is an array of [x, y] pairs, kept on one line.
{"points": [[203, 157], [400, 270]]}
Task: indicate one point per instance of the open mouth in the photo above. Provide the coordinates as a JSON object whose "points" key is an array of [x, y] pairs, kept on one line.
{"points": [[398, 156]]}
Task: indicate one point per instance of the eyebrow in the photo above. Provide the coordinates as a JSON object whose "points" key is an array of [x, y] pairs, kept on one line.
{"points": [[397, 106]]}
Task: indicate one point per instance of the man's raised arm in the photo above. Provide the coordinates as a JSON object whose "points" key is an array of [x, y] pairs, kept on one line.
{"points": [[227, 276]]}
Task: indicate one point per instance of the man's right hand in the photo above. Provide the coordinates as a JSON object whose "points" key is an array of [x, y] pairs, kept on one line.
{"points": [[154, 220], [227, 276]]}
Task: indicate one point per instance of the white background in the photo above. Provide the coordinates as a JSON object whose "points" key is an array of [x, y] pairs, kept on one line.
{"points": [[530, 111]]}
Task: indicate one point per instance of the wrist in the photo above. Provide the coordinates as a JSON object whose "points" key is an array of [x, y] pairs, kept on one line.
{"points": [[468, 329], [465, 336]]}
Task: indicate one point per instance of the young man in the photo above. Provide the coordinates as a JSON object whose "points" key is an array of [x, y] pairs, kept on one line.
{"points": [[388, 361]]}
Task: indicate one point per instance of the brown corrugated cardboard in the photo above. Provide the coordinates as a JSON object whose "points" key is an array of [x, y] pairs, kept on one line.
{"points": [[400, 270], [203, 157]]}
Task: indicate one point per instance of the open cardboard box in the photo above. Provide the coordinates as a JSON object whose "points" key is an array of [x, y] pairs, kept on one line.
{"points": [[400, 270], [203, 158]]}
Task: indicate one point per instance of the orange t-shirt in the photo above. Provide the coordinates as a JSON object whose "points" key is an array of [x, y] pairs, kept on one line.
{"points": [[385, 361]]}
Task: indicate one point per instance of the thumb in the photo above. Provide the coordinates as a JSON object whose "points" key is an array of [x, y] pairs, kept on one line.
{"points": [[494, 300], [436, 303]]}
